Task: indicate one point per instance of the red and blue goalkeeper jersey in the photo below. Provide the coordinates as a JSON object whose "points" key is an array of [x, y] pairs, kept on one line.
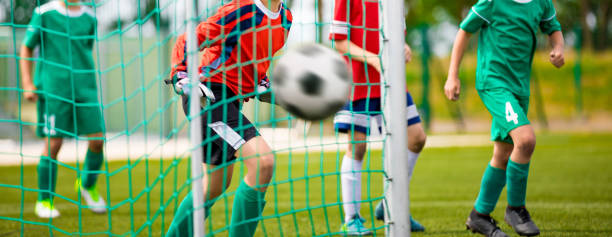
{"points": [[238, 43], [357, 21]]}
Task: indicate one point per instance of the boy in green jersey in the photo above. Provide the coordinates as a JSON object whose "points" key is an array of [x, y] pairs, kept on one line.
{"points": [[66, 95], [506, 47]]}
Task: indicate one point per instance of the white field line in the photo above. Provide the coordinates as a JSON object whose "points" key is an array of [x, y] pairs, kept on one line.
{"points": [[281, 140]]}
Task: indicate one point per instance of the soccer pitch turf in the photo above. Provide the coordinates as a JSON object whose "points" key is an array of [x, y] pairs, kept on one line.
{"points": [[569, 193]]}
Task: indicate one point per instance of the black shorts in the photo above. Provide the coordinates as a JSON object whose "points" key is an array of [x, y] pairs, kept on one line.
{"points": [[224, 128]]}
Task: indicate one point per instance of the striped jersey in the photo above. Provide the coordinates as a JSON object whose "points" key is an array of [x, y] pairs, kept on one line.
{"points": [[238, 43]]}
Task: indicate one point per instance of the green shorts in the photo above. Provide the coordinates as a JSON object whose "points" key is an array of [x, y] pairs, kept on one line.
{"points": [[59, 117], [508, 110]]}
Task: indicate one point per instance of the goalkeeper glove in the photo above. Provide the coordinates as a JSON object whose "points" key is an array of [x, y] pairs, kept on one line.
{"points": [[264, 92], [182, 86]]}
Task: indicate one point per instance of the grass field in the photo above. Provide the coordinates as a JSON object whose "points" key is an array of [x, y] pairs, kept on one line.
{"points": [[570, 193]]}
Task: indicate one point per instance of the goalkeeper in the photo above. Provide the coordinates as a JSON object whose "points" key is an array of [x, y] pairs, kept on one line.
{"points": [[241, 38], [65, 93], [506, 46]]}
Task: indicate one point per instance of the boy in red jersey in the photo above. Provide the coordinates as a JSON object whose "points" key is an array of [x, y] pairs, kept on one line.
{"points": [[355, 32], [238, 43]]}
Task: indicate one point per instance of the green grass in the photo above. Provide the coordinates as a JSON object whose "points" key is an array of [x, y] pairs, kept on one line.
{"points": [[570, 193]]}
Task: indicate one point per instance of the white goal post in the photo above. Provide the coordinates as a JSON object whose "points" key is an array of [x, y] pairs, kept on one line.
{"points": [[394, 113]]}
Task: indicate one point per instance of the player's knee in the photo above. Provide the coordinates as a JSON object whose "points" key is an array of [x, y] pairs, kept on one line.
{"points": [[52, 147], [416, 143], [55, 146], [357, 151], [96, 145], [525, 143], [215, 191], [266, 165]]}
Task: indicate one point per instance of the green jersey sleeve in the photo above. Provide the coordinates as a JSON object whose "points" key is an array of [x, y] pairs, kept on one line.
{"points": [[549, 22], [480, 15], [33, 34]]}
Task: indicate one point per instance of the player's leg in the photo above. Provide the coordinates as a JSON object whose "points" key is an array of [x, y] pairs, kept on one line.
{"points": [[517, 172], [492, 184], [94, 159], [47, 168], [249, 201], [47, 178], [507, 115], [518, 166], [350, 176], [52, 123], [86, 184], [215, 183], [493, 179], [90, 123], [354, 120], [415, 134], [416, 141]]}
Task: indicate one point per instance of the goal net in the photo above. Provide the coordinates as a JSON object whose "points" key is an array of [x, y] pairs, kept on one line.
{"points": [[146, 170]]}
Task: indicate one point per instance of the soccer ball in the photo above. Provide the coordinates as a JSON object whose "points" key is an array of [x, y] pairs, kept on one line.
{"points": [[311, 81]]}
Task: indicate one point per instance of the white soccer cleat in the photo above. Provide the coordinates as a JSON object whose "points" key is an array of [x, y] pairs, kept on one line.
{"points": [[45, 209], [95, 203]]}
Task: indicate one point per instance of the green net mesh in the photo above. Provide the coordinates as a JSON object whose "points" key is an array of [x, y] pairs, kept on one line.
{"points": [[146, 173]]}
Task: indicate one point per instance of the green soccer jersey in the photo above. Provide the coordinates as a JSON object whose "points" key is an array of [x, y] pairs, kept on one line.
{"points": [[507, 40], [66, 39]]}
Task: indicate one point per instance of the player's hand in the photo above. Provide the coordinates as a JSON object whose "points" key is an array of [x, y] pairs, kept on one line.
{"points": [[29, 93], [452, 88], [264, 94], [407, 53], [556, 58], [184, 87]]}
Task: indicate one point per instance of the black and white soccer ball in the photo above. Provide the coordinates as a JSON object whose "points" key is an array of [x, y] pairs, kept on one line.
{"points": [[311, 81]]}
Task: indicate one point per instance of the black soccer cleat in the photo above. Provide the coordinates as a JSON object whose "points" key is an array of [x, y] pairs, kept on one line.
{"points": [[484, 224], [521, 222]]}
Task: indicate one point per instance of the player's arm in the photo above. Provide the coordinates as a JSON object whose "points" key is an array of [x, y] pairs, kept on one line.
{"points": [[358, 53], [452, 88], [25, 64], [30, 41], [551, 26], [556, 55], [355, 52]]}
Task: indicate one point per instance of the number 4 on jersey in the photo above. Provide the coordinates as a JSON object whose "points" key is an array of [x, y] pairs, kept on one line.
{"points": [[511, 116]]}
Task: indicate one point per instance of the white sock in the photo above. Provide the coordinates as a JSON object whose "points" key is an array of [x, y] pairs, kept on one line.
{"points": [[412, 158], [351, 186]]}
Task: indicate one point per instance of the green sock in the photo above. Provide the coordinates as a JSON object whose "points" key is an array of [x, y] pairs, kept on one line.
{"points": [[517, 183], [93, 162], [248, 205], [47, 177], [183, 218], [493, 182]]}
